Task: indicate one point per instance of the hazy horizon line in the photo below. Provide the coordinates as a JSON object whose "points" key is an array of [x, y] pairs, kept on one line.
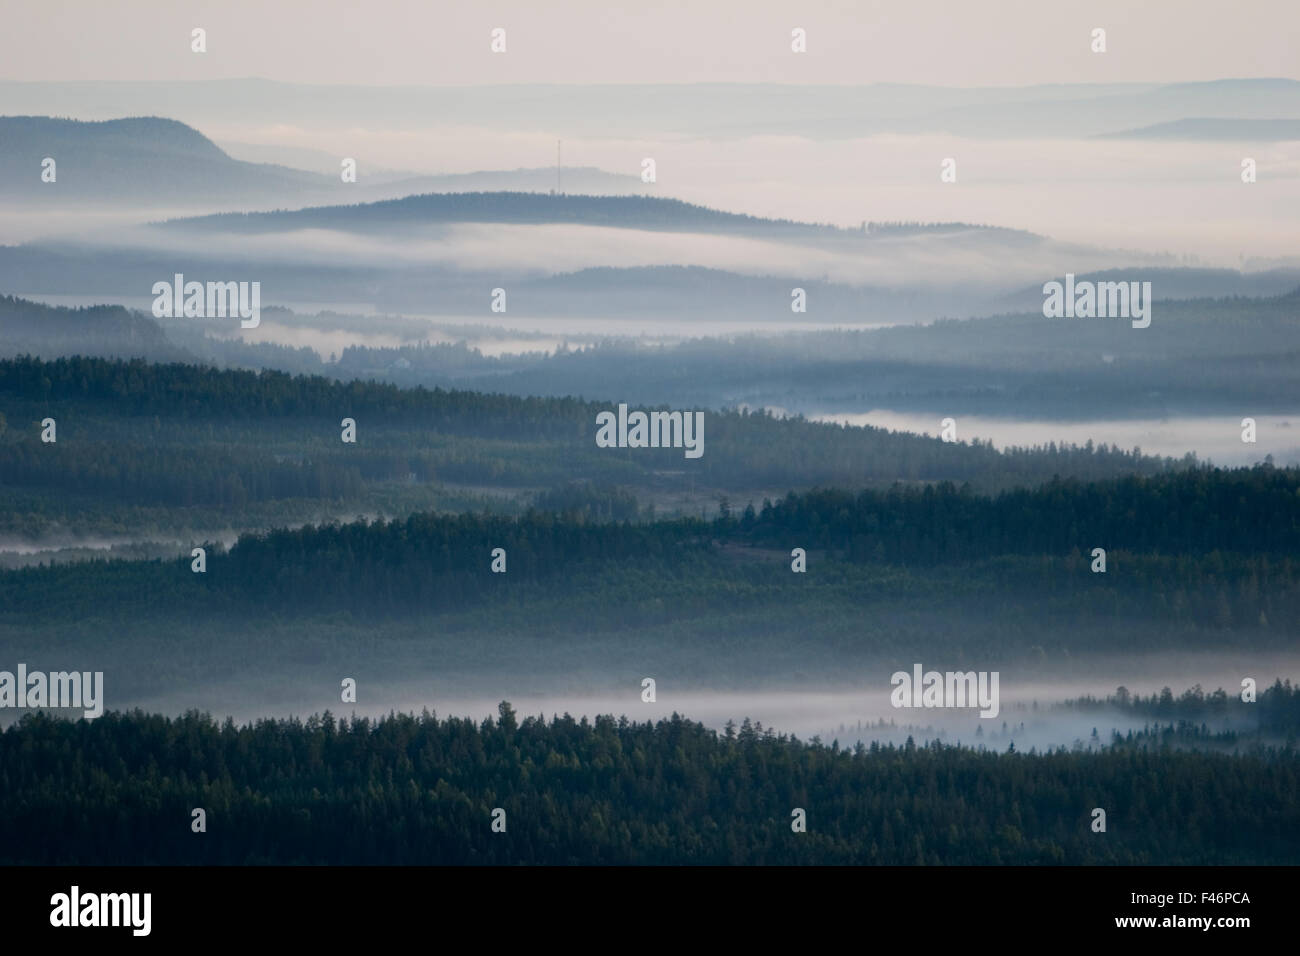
{"points": [[684, 83]]}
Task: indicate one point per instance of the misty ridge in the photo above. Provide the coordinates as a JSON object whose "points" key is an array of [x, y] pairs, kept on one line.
{"points": [[563, 253], [757, 135], [703, 109], [152, 162], [568, 255], [1200, 130], [1209, 356]]}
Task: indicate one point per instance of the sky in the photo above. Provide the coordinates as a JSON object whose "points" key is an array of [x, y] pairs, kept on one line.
{"points": [[447, 42]]}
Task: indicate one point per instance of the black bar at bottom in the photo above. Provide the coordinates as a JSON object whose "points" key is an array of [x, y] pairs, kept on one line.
{"points": [[332, 904]]}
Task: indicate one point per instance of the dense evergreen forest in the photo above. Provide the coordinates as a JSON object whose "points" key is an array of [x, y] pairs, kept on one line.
{"points": [[169, 437], [1196, 511], [699, 603], [410, 790], [1276, 711], [1192, 530]]}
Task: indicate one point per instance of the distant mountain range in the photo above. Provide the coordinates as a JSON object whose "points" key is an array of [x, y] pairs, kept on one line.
{"points": [[328, 252], [401, 182], [715, 110], [126, 160], [1235, 130], [153, 161]]}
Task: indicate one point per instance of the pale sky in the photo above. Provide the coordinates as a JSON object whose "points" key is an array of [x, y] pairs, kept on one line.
{"points": [[939, 42]]}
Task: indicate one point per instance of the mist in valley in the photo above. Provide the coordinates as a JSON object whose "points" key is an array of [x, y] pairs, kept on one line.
{"points": [[1035, 701], [1212, 439]]}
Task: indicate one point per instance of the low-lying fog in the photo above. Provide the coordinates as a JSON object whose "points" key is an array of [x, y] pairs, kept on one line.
{"points": [[523, 333], [848, 713], [1183, 198], [1157, 196], [1217, 438], [60, 546]]}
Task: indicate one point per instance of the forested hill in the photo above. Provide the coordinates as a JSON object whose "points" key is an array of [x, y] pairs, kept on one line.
{"points": [[1196, 529], [50, 331], [610, 791], [142, 158], [626, 212], [186, 435]]}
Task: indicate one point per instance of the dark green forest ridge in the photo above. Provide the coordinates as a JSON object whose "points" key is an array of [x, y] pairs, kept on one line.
{"points": [[410, 790], [1274, 714], [1199, 560], [1240, 523], [143, 445]]}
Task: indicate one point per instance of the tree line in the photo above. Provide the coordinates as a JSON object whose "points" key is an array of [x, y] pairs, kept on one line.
{"points": [[133, 423], [1215, 547], [422, 789]]}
